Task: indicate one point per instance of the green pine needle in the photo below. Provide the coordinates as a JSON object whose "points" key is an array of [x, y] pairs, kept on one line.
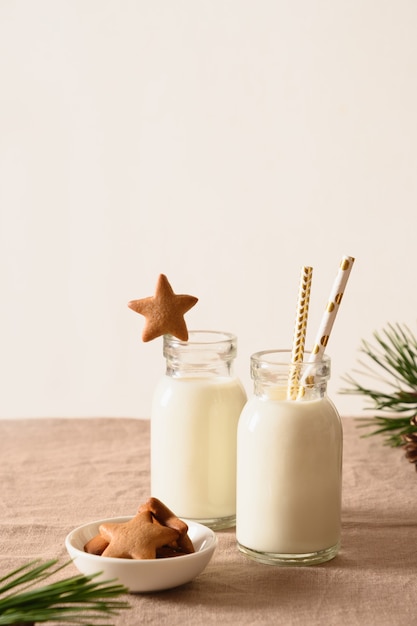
{"points": [[393, 364], [68, 601]]}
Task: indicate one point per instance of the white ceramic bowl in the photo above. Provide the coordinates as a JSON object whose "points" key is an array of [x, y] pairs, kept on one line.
{"points": [[142, 575]]}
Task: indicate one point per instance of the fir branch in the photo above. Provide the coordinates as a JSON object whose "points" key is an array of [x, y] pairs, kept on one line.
{"points": [[393, 429], [67, 601], [394, 367]]}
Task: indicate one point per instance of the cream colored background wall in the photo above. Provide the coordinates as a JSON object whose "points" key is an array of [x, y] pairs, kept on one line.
{"points": [[223, 143]]}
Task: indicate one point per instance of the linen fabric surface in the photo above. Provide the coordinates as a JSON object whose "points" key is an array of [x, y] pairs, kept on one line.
{"points": [[57, 474]]}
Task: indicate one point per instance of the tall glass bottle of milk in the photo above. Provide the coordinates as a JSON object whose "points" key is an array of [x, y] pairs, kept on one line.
{"points": [[289, 465], [195, 413]]}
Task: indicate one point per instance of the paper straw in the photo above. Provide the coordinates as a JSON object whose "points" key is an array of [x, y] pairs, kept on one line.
{"points": [[329, 316], [300, 330]]}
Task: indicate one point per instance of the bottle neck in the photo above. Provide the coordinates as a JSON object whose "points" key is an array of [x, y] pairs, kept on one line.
{"points": [[276, 377], [205, 354]]}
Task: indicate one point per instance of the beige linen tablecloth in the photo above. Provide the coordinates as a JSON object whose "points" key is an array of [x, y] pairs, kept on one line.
{"points": [[59, 473]]}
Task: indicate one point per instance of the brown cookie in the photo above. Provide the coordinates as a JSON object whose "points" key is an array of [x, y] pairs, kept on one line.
{"points": [[164, 311], [96, 545], [166, 517], [139, 538], [167, 552]]}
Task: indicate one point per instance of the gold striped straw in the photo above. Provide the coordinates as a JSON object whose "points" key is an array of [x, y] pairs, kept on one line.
{"points": [[300, 331], [329, 316]]}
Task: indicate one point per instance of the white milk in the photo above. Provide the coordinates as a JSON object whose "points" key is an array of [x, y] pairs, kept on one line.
{"points": [[193, 445], [289, 476]]}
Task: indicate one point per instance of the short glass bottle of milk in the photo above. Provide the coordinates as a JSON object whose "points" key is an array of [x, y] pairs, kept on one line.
{"points": [[195, 413], [289, 465]]}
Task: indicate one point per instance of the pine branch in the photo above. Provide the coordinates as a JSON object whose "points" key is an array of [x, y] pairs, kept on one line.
{"points": [[68, 601], [393, 365]]}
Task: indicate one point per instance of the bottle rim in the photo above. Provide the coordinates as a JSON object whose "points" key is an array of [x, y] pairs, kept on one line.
{"points": [[202, 338], [204, 349], [276, 366], [278, 357]]}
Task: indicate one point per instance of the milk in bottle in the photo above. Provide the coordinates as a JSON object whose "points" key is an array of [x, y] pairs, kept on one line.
{"points": [[289, 463], [195, 412]]}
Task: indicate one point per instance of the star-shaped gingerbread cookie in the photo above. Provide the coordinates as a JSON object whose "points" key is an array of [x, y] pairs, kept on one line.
{"points": [[164, 312], [139, 538], [163, 515]]}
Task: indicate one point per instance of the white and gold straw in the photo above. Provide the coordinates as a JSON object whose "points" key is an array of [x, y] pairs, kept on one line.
{"points": [[332, 307], [300, 330]]}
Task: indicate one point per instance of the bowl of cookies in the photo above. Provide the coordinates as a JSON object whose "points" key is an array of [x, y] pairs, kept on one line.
{"points": [[151, 551]]}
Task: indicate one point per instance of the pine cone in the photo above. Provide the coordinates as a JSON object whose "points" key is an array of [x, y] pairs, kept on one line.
{"points": [[410, 443]]}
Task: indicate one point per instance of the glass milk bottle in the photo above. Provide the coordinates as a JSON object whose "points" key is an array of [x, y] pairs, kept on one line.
{"points": [[195, 412], [289, 465]]}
